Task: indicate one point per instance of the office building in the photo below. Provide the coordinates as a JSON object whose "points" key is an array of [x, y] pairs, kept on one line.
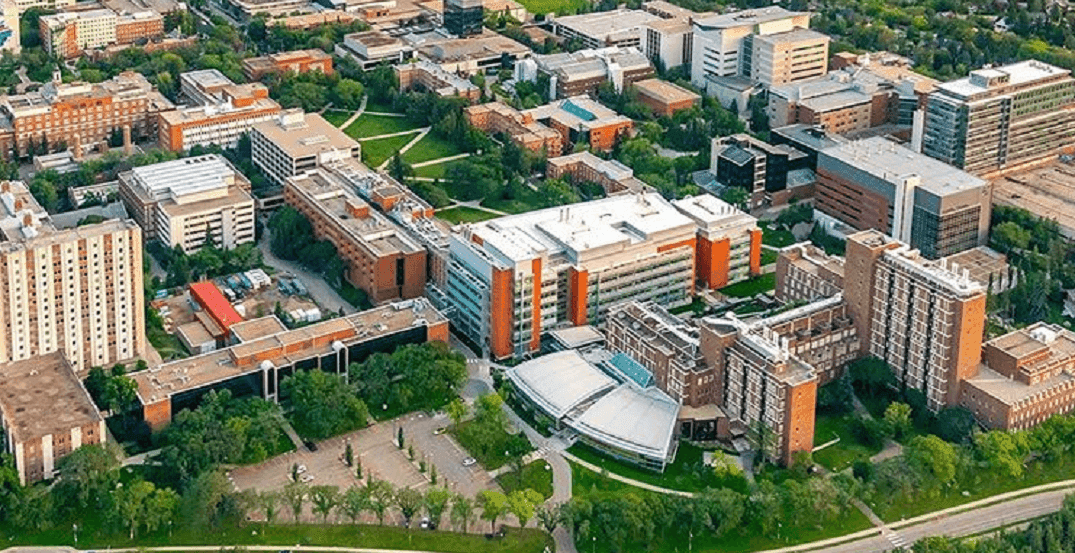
{"points": [[296, 61], [190, 202], [878, 184], [477, 54], [619, 27], [80, 115], [73, 289], [924, 318], [372, 48], [381, 259], [768, 46], [806, 273], [264, 355], [514, 277], [728, 241], [21, 6], [520, 127], [1002, 118], [463, 18], [580, 119], [68, 34], [223, 112], [582, 72], [295, 142], [428, 76], [46, 413], [808, 139], [665, 98], [612, 176], [770, 174]]}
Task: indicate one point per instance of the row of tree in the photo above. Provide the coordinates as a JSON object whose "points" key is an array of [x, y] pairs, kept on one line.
{"points": [[1053, 533]]}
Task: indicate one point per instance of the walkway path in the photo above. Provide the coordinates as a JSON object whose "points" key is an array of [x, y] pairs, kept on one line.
{"points": [[404, 149], [439, 161], [384, 114], [624, 479], [319, 290], [389, 135], [356, 115]]}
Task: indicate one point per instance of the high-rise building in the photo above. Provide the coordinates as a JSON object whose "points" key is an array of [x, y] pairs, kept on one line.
{"points": [[67, 34], [463, 18], [190, 202], [924, 318], [295, 142], [878, 184], [1000, 118], [78, 290], [768, 46], [80, 114]]}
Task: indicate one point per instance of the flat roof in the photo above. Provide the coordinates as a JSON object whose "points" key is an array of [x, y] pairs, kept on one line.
{"points": [[560, 382], [1010, 391], [889, 161], [191, 175], [1047, 192], [577, 112], [1019, 73], [206, 78], [665, 91], [247, 331], [747, 17], [603, 25], [575, 337], [797, 34], [982, 262], [301, 134], [712, 213], [43, 396], [642, 421]]}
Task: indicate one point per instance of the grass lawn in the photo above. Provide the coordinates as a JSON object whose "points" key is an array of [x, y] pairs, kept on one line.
{"points": [[528, 200], [777, 238], [336, 116], [751, 287], [466, 434], [767, 256], [167, 345], [429, 148], [376, 125], [435, 171], [585, 482], [376, 152], [90, 535], [559, 7], [682, 474], [842, 454], [374, 106], [537, 476], [465, 214]]}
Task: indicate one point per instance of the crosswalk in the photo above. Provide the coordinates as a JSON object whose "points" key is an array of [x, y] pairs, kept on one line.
{"points": [[897, 540]]}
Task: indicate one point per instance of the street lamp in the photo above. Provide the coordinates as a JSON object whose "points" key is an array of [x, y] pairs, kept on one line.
{"points": [[594, 539], [74, 528]]}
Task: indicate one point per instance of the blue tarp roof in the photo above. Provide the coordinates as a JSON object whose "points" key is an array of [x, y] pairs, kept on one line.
{"points": [[632, 369]]}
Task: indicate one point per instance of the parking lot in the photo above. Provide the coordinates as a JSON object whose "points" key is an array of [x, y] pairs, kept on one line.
{"points": [[375, 447]]}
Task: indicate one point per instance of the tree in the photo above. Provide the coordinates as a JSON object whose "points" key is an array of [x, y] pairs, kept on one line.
{"points": [[836, 397], [1008, 237], [898, 419], [494, 505], [409, 502], [549, 517], [140, 504], [354, 502], [871, 375], [349, 455], [324, 500], [436, 502], [462, 512], [1003, 452], [399, 437], [736, 196], [269, 501], [295, 494], [398, 169], [87, 474], [954, 424], [522, 503], [932, 456], [381, 495], [323, 404]]}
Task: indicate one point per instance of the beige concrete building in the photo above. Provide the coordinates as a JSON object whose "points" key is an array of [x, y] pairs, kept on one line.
{"points": [[190, 202], [665, 98], [295, 142], [47, 414], [77, 290]]}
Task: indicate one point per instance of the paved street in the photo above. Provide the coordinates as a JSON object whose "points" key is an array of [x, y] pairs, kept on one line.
{"points": [[319, 290]]}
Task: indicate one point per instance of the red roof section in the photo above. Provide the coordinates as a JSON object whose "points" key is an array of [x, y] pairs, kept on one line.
{"points": [[215, 304]]}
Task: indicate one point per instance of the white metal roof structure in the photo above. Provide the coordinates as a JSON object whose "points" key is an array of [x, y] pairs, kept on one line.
{"points": [[559, 382], [639, 421]]}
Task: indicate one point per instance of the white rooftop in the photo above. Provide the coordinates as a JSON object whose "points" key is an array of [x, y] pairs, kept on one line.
{"points": [[181, 177], [1019, 73], [746, 17], [560, 381], [632, 419], [625, 219], [890, 162], [711, 212], [603, 25]]}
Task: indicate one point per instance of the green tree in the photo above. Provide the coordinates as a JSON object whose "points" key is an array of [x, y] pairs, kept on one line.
{"points": [[954, 424], [1003, 452], [323, 500], [457, 410], [898, 419], [323, 404], [295, 494], [494, 505], [522, 504], [462, 512], [269, 501], [349, 455], [436, 502], [87, 474], [409, 501], [354, 502], [381, 497], [1008, 237], [933, 457]]}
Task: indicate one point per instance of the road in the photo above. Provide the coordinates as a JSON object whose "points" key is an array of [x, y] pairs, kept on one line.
{"points": [[319, 290]]}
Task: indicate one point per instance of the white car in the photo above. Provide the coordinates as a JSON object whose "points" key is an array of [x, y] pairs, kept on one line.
{"points": [[469, 462], [301, 469], [307, 478]]}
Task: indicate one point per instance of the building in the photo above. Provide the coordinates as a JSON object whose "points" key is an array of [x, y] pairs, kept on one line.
{"points": [[20, 6], [520, 127], [665, 98], [296, 61], [611, 175], [581, 119], [582, 72], [619, 27], [665, 345], [429, 76], [878, 184], [1002, 118], [68, 34], [78, 114], [808, 139], [264, 355], [372, 48], [139, 27], [463, 18], [245, 10], [73, 289], [215, 305], [806, 273], [669, 40], [1025, 378], [381, 259], [190, 202], [480, 53], [924, 318], [46, 413], [759, 168], [761, 382], [768, 46], [608, 400], [295, 142], [728, 241], [223, 112], [9, 28]]}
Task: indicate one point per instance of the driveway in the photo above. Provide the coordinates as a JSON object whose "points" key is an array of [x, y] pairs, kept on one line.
{"points": [[319, 290]]}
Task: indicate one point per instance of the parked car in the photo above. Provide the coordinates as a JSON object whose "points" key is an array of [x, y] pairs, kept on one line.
{"points": [[469, 462]]}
